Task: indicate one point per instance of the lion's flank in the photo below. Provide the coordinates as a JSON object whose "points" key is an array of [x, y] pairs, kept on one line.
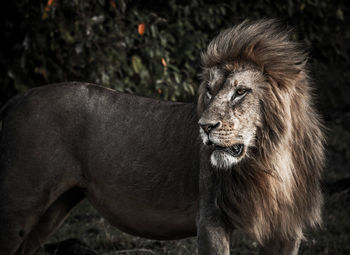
{"points": [[276, 191]]}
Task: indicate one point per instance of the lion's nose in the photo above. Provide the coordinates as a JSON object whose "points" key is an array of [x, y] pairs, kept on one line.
{"points": [[208, 127]]}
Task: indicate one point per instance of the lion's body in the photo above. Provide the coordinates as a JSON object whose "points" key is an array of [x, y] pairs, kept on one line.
{"points": [[86, 141], [141, 164]]}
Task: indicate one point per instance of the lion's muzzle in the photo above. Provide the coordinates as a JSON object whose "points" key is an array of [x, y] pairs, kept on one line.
{"points": [[225, 151]]}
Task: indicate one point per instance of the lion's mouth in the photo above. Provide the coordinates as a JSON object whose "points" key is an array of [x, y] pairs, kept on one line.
{"points": [[236, 150]]}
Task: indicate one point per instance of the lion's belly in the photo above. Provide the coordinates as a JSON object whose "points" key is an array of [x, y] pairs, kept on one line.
{"points": [[143, 214]]}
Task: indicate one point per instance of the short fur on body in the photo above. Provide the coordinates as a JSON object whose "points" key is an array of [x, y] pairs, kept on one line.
{"points": [[274, 192]]}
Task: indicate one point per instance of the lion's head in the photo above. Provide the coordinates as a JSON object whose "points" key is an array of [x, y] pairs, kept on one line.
{"points": [[257, 120], [231, 112], [253, 78]]}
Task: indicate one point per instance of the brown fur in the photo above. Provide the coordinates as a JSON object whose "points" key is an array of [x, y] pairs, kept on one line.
{"points": [[255, 195]]}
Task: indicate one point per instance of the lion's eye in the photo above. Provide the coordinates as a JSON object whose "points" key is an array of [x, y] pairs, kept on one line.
{"points": [[208, 92], [240, 92], [208, 95]]}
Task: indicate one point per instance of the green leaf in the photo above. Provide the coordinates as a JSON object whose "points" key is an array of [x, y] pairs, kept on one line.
{"points": [[136, 63]]}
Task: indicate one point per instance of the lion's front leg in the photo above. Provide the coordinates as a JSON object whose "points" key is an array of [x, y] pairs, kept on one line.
{"points": [[212, 232], [213, 236]]}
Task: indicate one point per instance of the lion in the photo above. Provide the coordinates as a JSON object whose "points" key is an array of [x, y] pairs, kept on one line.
{"points": [[248, 156]]}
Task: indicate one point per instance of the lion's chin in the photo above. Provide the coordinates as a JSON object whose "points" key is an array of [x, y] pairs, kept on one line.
{"points": [[223, 160]]}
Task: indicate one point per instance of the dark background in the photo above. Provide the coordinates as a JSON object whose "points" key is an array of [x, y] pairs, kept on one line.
{"points": [[100, 42]]}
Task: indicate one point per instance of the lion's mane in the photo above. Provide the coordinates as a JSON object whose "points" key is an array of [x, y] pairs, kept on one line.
{"points": [[276, 190]]}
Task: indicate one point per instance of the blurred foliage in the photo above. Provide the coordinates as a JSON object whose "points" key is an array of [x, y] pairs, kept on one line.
{"points": [[152, 48]]}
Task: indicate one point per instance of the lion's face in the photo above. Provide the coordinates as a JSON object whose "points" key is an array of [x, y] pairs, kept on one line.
{"points": [[230, 113]]}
